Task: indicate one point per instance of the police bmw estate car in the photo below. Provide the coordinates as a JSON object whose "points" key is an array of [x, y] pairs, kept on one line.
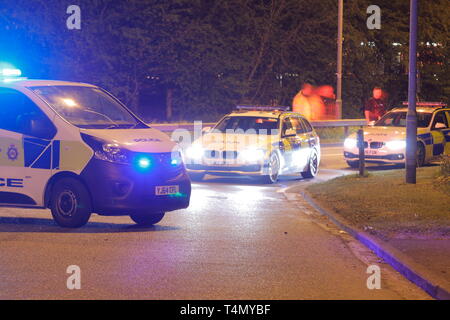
{"points": [[256, 141], [75, 149], [385, 141]]}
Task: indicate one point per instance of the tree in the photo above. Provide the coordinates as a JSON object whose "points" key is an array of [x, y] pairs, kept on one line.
{"points": [[209, 55]]}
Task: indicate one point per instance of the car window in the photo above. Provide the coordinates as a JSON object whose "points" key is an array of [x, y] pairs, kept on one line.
{"points": [[296, 124], [88, 107], [440, 121], [307, 126], [19, 114], [287, 124], [398, 119]]}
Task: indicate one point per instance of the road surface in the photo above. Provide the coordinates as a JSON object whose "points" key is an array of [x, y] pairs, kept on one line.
{"points": [[237, 240]]}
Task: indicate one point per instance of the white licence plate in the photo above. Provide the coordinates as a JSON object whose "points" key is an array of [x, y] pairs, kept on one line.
{"points": [[166, 190], [370, 152]]}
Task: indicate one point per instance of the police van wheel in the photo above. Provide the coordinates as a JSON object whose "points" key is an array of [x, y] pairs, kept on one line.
{"points": [[70, 203], [420, 155], [147, 219], [313, 165], [353, 164]]}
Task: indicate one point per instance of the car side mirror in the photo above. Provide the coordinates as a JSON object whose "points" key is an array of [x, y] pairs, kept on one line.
{"points": [[290, 132], [440, 125]]}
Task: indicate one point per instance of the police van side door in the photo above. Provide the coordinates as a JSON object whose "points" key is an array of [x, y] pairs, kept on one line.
{"points": [[25, 149], [439, 130]]}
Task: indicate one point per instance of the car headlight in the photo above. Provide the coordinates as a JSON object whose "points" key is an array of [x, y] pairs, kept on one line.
{"points": [[195, 152], [396, 144], [111, 152], [252, 154], [350, 143]]}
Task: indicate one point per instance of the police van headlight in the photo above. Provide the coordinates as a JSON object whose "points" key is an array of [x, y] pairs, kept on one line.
{"points": [[253, 154], [350, 143], [106, 151], [111, 152], [396, 144]]}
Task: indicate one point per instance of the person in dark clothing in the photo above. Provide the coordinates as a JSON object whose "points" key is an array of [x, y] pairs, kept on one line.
{"points": [[375, 107]]}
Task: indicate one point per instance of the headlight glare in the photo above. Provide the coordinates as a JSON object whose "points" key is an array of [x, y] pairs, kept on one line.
{"points": [[350, 143], [195, 152], [396, 144], [253, 154]]}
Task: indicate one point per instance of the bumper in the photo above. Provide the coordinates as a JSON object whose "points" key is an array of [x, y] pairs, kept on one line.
{"points": [[253, 169], [379, 158], [118, 189]]}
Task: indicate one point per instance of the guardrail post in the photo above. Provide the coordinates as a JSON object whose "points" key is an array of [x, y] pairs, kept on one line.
{"points": [[362, 158]]}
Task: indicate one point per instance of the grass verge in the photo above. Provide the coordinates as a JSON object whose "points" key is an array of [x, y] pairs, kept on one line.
{"points": [[385, 205]]}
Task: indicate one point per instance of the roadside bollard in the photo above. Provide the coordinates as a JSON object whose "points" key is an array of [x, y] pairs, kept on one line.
{"points": [[362, 167]]}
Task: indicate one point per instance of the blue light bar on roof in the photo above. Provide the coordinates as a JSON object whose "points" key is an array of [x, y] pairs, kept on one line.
{"points": [[263, 108], [10, 72]]}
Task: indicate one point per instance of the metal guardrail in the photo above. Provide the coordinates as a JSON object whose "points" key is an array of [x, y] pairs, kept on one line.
{"points": [[346, 123], [339, 123]]}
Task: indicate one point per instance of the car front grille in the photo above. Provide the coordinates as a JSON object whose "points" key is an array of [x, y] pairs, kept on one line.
{"points": [[376, 145], [215, 154], [162, 163]]}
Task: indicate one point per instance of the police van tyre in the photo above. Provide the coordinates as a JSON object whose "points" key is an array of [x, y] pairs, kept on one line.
{"points": [[147, 219], [313, 165], [273, 168], [70, 203], [353, 164]]}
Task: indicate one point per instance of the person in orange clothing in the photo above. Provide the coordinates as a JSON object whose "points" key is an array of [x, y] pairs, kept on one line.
{"points": [[308, 103], [301, 103]]}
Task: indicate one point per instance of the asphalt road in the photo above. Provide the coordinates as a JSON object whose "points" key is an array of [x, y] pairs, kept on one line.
{"points": [[237, 240]]}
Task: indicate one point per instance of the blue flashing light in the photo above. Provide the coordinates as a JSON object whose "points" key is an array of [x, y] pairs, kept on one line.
{"points": [[144, 163], [10, 72], [174, 162]]}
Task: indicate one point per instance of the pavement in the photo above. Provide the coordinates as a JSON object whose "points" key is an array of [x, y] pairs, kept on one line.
{"points": [[424, 260], [237, 240]]}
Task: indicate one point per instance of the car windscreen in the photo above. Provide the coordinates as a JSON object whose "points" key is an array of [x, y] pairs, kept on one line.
{"points": [[260, 125], [398, 119], [87, 107]]}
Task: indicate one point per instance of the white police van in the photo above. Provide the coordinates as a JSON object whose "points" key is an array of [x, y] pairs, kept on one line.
{"points": [[75, 149]]}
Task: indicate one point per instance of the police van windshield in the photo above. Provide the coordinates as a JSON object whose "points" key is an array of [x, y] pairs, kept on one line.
{"points": [[253, 125], [87, 107], [398, 119]]}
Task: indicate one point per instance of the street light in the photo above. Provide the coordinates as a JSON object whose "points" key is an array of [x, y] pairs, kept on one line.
{"points": [[339, 58], [411, 116]]}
